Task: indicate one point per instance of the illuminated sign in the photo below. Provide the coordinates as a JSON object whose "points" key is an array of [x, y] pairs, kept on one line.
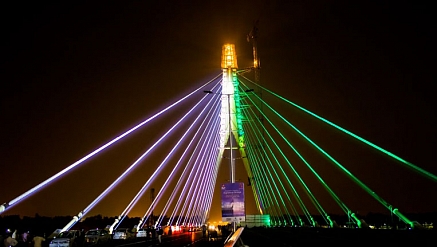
{"points": [[233, 202]]}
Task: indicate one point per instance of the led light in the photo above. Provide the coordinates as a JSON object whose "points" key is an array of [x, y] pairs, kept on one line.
{"points": [[64, 171]]}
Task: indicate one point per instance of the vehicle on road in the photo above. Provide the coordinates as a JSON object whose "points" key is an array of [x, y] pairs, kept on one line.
{"points": [[65, 239], [123, 233], [143, 233], [97, 236], [193, 229]]}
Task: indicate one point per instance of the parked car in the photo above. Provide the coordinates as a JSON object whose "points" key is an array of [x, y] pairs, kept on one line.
{"points": [[143, 233], [193, 229], [65, 239], [123, 233], [96, 236]]}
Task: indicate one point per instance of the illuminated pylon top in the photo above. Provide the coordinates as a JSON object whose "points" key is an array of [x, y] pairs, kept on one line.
{"points": [[229, 56]]}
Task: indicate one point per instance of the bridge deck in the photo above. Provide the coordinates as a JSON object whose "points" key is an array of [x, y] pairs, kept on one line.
{"points": [[342, 237]]}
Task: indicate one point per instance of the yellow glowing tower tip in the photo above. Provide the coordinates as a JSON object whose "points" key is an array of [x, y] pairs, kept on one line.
{"points": [[229, 56]]}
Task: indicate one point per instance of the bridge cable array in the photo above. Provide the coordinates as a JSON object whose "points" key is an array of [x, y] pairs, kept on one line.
{"points": [[275, 191], [253, 117]]}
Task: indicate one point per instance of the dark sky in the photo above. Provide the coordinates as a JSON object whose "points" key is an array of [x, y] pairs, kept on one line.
{"points": [[74, 75]]}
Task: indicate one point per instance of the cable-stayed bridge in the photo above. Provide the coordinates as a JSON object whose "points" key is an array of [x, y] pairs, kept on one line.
{"points": [[234, 122]]}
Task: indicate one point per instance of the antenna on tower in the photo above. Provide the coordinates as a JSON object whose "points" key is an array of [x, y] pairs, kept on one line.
{"points": [[252, 36]]}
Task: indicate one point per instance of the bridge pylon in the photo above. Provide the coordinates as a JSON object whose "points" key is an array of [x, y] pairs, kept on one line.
{"points": [[231, 125]]}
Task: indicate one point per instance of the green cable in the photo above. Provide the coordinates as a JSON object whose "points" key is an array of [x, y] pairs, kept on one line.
{"points": [[409, 164], [263, 184], [330, 191], [305, 210], [260, 184], [354, 178], [268, 182], [277, 176]]}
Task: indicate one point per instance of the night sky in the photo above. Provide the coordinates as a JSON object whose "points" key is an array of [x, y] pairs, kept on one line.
{"points": [[75, 75]]}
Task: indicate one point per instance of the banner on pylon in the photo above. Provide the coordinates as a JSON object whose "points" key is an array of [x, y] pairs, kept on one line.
{"points": [[233, 209]]}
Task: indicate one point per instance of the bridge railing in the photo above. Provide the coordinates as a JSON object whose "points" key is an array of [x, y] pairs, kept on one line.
{"points": [[235, 239]]}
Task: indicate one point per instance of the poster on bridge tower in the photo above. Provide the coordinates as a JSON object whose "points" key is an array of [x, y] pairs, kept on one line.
{"points": [[233, 202]]}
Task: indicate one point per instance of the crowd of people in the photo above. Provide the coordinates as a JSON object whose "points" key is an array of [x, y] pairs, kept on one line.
{"points": [[21, 239], [27, 239]]}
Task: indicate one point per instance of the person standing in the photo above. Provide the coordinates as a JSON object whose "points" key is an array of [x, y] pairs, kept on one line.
{"points": [[204, 230], [153, 232], [149, 232], [160, 232], [37, 241], [9, 241], [24, 236]]}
